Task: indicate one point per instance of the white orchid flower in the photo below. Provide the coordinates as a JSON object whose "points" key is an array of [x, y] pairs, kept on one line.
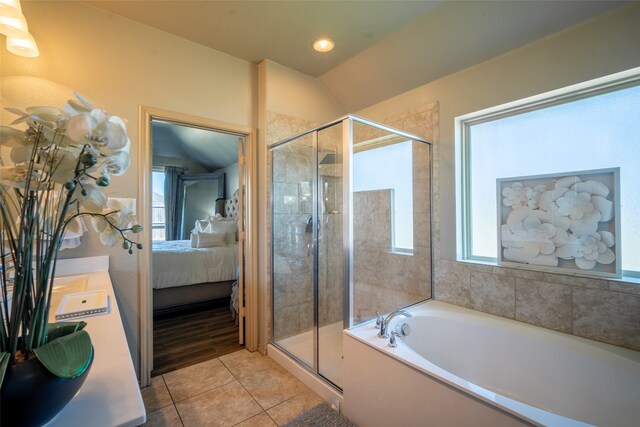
{"points": [[10, 137], [123, 219], [104, 132], [73, 107], [94, 201], [16, 177], [116, 164], [63, 166]]}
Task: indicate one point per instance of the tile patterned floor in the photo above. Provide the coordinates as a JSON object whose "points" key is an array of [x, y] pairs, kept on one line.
{"points": [[239, 389]]}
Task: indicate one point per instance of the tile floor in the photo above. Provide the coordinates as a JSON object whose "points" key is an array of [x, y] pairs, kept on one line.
{"points": [[238, 389]]}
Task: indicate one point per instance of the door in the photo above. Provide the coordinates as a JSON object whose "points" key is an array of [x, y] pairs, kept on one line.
{"points": [[242, 238]]}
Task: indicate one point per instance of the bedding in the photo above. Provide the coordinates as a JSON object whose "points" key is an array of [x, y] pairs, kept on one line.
{"points": [[176, 263]]}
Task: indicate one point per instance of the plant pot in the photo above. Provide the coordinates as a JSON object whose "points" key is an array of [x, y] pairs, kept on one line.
{"points": [[32, 396]]}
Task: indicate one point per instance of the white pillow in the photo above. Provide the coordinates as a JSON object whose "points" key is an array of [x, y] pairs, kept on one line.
{"points": [[210, 240], [229, 227], [194, 238], [201, 225]]}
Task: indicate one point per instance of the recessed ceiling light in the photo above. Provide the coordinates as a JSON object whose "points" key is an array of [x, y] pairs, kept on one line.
{"points": [[323, 44]]}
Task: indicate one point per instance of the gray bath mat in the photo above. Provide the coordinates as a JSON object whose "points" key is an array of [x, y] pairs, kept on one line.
{"points": [[319, 416]]}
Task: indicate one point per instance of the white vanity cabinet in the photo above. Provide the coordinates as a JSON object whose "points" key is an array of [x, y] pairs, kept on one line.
{"points": [[110, 395]]}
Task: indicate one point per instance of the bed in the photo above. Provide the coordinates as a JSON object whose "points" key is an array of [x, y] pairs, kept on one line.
{"points": [[187, 275]]}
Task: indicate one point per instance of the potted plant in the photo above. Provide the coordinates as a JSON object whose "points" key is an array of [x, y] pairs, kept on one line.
{"points": [[62, 162]]}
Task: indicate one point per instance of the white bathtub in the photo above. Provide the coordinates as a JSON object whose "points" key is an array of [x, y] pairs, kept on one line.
{"points": [[463, 367]]}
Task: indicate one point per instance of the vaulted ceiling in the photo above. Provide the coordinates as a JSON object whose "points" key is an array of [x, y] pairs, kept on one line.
{"points": [[383, 48]]}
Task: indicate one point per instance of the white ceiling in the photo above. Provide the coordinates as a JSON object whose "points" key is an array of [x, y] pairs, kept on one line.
{"points": [[383, 48]]}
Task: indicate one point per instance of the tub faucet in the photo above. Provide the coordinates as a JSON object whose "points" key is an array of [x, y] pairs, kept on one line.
{"points": [[384, 325]]}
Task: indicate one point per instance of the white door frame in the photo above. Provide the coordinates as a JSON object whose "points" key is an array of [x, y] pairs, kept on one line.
{"points": [[250, 312]]}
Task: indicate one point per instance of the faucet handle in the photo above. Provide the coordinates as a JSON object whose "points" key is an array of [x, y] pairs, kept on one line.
{"points": [[379, 319], [392, 339]]}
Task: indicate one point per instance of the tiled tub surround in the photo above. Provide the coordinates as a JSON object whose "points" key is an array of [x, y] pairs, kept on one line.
{"points": [[607, 311]]}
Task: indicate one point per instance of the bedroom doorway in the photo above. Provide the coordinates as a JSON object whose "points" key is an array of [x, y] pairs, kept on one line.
{"points": [[198, 291]]}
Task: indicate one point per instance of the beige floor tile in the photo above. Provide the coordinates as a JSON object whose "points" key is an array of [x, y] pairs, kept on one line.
{"points": [[195, 379], [242, 363], [165, 417], [156, 395], [223, 406], [272, 386], [291, 408], [260, 420]]}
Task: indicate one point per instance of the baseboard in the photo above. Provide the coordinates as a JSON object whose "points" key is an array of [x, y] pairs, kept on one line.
{"points": [[332, 396], [262, 349]]}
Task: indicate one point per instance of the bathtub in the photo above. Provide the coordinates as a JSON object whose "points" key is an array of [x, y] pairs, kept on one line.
{"points": [[461, 367]]}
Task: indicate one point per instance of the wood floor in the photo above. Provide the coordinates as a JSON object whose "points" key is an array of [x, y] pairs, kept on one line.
{"points": [[184, 339]]}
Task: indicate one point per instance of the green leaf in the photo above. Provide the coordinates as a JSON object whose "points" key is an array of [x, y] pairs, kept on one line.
{"points": [[68, 356], [4, 362], [60, 329]]}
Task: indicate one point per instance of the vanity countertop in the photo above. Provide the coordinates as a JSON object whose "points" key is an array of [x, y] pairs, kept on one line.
{"points": [[110, 395]]}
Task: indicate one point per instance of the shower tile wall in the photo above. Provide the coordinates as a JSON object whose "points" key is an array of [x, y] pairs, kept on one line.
{"points": [[293, 256], [292, 266], [385, 280]]}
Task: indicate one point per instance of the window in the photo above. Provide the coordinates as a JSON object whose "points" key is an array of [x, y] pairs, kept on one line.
{"points": [[389, 167], [594, 126], [157, 206]]}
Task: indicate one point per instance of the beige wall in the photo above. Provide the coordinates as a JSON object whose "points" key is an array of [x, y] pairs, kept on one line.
{"points": [[118, 65], [598, 309]]}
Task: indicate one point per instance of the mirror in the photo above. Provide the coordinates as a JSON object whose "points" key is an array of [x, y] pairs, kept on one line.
{"points": [[197, 195]]}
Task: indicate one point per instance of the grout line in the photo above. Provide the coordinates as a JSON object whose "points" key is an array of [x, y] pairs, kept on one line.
{"points": [[168, 389], [274, 421], [173, 403], [179, 416], [206, 391]]}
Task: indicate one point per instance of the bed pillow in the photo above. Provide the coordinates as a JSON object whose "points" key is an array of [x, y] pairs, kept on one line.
{"points": [[210, 240], [229, 227], [201, 225], [194, 238]]}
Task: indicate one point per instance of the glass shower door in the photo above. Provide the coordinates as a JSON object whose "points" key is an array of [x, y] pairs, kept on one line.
{"points": [[292, 248], [330, 253]]}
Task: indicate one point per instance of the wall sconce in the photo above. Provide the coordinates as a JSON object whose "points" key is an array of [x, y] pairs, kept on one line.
{"points": [[10, 8], [14, 25], [26, 47]]}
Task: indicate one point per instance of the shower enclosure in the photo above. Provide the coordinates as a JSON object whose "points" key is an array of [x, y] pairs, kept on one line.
{"points": [[351, 234]]}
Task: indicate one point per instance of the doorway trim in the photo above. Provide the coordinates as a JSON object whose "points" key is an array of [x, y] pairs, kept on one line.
{"points": [[145, 164]]}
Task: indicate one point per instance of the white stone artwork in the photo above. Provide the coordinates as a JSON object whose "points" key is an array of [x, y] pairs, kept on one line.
{"points": [[563, 221]]}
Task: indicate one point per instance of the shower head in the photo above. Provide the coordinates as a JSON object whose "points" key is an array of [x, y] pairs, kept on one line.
{"points": [[331, 159]]}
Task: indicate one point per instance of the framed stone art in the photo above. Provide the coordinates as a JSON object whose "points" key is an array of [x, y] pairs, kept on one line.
{"points": [[565, 222]]}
